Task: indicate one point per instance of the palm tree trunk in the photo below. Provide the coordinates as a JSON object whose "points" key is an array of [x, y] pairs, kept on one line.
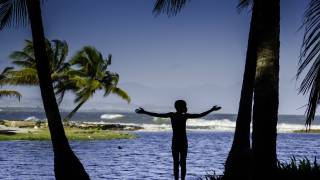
{"points": [[70, 115], [238, 163], [266, 95], [66, 164]]}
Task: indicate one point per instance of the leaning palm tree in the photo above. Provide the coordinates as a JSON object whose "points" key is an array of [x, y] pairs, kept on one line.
{"points": [[23, 12], [8, 93], [88, 73], [310, 58]]}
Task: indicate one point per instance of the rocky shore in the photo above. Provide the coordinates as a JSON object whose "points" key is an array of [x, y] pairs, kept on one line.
{"points": [[38, 130]]}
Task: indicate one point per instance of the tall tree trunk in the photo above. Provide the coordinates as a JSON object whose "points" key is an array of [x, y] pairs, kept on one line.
{"points": [[66, 164], [266, 95], [238, 164]]}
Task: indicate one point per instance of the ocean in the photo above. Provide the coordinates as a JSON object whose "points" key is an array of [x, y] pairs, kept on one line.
{"points": [[149, 155]]}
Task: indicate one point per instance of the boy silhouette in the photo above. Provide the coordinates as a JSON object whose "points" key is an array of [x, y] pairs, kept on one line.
{"points": [[179, 138]]}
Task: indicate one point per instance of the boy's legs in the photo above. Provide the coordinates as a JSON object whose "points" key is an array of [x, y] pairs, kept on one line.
{"points": [[175, 156], [183, 163]]}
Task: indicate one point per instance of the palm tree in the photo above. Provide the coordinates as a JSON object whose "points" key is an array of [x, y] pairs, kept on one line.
{"points": [[90, 73], [17, 12], [8, 93], [266, 89], [239, 160], [310, 55], [64, 76]]}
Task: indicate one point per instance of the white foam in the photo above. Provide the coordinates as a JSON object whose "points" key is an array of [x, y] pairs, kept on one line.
{"points": [[223, 125], [285, 127], [111, 116], [32, 118], [217, 125], [192, 124]]}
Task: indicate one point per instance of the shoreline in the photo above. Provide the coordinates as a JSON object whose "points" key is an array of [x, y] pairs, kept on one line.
{"points": [[311, 131], [36, 130]]}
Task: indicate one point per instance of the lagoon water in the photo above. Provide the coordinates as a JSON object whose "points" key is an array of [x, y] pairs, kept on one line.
{"points": [[149, 155]]}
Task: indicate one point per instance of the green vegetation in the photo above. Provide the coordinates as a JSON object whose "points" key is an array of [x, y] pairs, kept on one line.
{"points": [[84, 74], [302, 169], [72, 134], [8, 93], [38, 130], [307, 131]]}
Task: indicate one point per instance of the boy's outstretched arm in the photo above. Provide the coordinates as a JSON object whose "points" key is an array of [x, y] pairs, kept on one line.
{"points": [[161, 115], [214, 108]]}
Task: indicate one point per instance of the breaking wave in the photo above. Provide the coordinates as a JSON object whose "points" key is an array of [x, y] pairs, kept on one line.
{"points": [[111, 116], [32, 118]]}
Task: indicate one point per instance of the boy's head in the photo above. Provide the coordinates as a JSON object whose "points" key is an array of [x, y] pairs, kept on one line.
{"points": [[181, 106]]}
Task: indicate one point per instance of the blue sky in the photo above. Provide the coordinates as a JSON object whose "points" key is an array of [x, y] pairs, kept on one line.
{"points": [[197, 55]]}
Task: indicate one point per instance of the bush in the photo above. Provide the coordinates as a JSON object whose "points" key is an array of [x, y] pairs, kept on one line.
{"points": [[302, 169]]}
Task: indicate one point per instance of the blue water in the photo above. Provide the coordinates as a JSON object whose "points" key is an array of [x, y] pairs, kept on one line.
{"points": [[147, 157]]}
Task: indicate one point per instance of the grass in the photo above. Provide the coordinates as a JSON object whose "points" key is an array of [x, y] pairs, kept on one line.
{"points": [[309, 131], [302, 169], [72, 134]]}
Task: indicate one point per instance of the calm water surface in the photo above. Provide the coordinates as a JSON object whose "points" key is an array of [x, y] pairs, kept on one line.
{"points": [[147, 157]]}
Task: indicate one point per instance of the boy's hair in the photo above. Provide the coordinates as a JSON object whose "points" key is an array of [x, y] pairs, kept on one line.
{"points": [[180, 103]]}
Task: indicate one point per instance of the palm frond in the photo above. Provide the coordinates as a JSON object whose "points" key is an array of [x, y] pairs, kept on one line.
{"points": [[13, 13], [169, 7], [243, 4], [26, 76], [121, 93], [310, 54], [108, 60], [314, 99], [6, 70], [9, 93], [22, 55], [4, 74], [60, 51]]}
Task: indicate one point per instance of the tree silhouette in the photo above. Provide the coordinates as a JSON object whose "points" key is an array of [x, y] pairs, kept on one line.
{"points": [[23, 12]]}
